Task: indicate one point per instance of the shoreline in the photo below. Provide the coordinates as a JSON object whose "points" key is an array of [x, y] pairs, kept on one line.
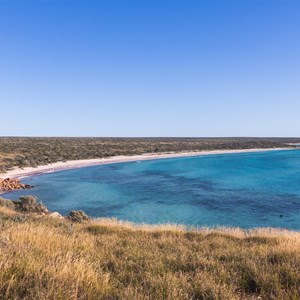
{"points": [[19, 173]]}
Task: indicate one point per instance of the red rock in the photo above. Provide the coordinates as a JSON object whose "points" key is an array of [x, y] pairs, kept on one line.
{"points": [[10, 184]]}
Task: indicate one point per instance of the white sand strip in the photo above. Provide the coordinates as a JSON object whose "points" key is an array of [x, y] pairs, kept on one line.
{"points": [[74, 164]]}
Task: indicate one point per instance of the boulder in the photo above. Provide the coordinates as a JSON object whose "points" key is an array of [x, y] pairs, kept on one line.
{"points": [[56, 215]]}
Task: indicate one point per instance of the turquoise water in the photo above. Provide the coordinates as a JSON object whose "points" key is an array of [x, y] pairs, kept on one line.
{"points": [[245, 190]]}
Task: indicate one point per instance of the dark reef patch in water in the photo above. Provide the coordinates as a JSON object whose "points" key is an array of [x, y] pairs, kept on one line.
{"points": [[246, 190]]}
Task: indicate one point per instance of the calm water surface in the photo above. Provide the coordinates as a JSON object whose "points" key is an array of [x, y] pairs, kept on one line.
{"points": [[246, 190]]}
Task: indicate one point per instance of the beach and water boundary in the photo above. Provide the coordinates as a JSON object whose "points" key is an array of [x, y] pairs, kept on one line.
{"points": [[74, 164], [193, 188]]}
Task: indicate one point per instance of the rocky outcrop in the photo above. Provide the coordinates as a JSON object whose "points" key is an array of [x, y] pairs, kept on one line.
{"points": [[11, 184]]}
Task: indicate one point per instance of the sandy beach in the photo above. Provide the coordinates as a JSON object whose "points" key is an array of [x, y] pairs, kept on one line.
{"points": [[74, 164]]}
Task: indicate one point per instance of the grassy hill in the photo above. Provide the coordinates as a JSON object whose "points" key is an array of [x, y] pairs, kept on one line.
{"points": [[42, 257]]}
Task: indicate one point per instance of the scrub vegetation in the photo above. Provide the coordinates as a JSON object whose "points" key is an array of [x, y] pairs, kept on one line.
{"points": [[46, 256], [31, 152], [42, 257]]}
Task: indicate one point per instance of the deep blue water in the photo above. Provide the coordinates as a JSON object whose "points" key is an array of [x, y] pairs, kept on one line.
{"points": [[245, 190]]}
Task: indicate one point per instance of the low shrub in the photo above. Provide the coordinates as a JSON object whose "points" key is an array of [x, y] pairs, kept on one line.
{"points": [[29, 204], [7, 203], [78, 216]]}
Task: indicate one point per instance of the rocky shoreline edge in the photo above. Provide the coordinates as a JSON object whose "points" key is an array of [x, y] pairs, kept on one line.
{"points": [[11, 184]]}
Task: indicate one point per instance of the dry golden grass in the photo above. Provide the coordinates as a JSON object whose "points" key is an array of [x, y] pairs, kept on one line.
{"points": [[46, 258]]}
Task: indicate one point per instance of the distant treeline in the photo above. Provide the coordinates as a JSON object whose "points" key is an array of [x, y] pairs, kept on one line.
{"points": [[35, 151]]}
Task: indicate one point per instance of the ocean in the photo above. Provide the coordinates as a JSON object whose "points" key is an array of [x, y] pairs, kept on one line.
{"points": [[258, 189]]}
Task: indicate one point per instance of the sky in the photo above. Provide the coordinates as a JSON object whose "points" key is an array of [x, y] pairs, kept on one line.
{"points": [[150, 68]]}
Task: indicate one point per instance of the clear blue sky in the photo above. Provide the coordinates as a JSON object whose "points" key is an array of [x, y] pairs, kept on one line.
{"points": [[150, 68]]}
